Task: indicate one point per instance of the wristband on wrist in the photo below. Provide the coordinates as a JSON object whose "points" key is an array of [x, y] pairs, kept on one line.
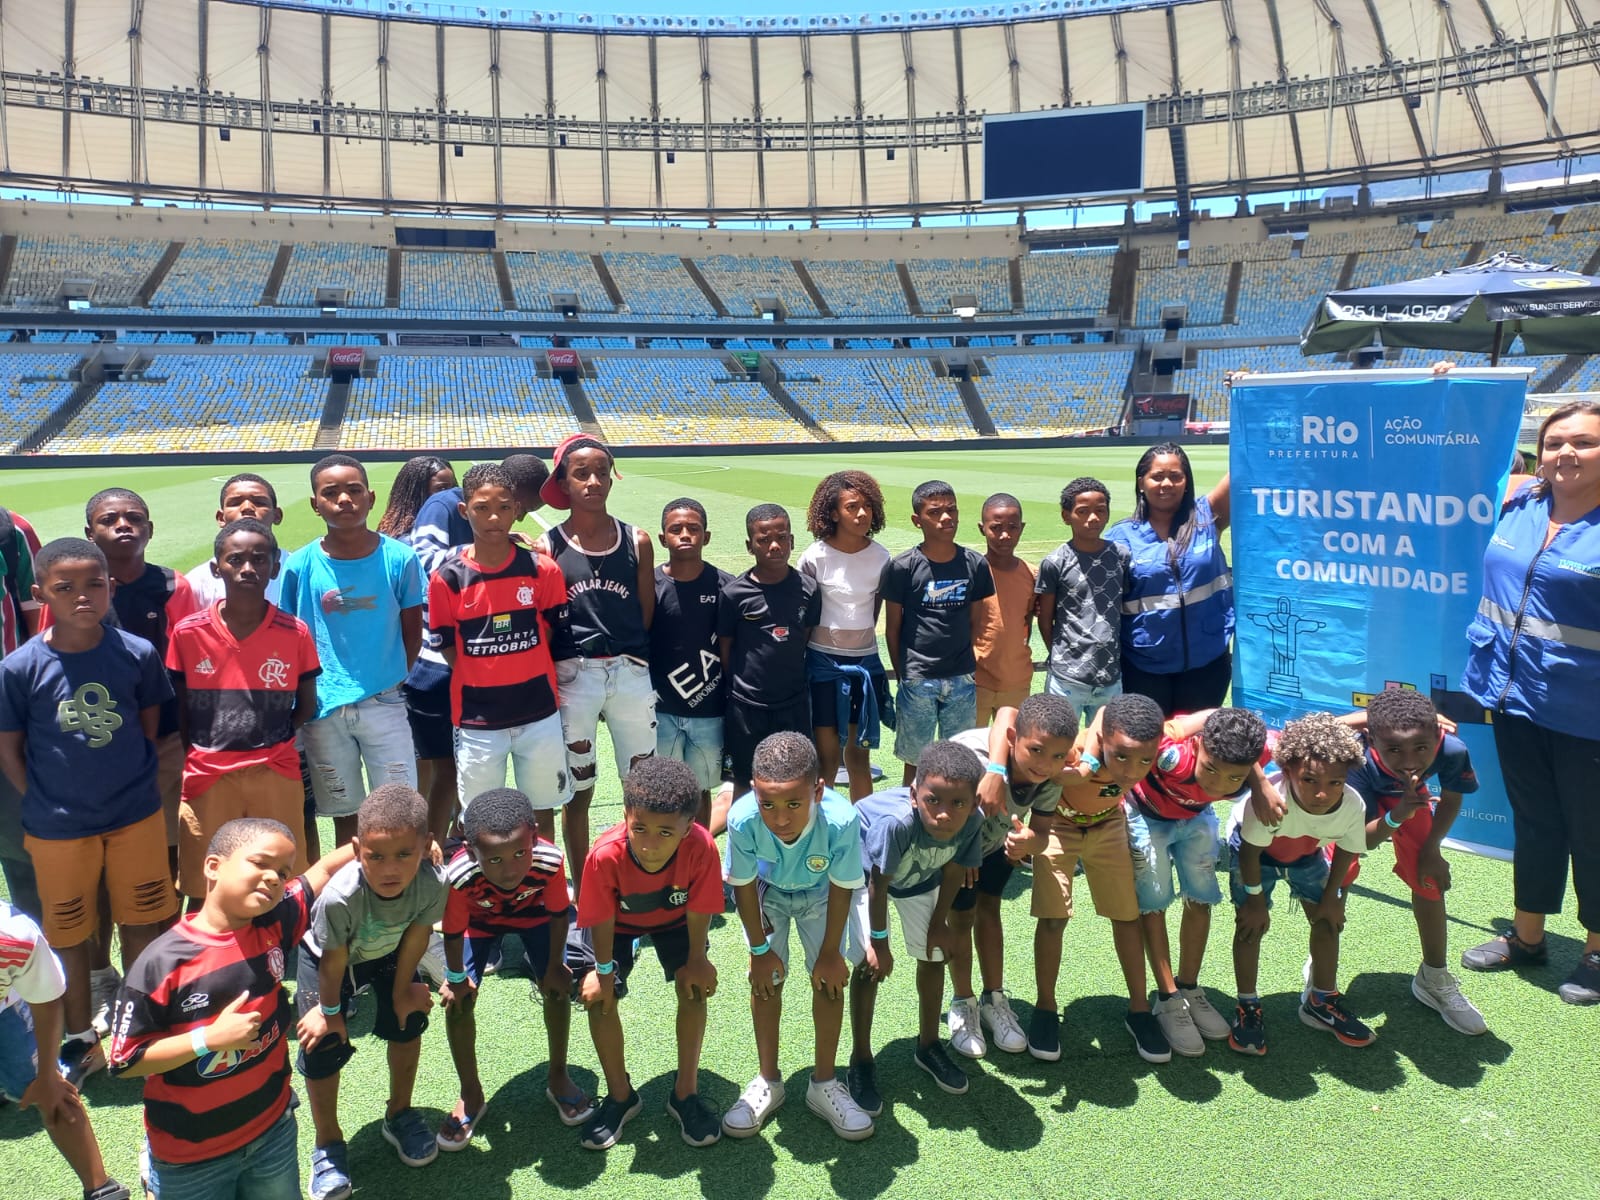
{"points": [[1388, 819], [1090, 761], [760, 948], [605, 968], [880, 935], [455, 976], [197, 1041], [332, 1010], [1251, 889], [995, 768]]}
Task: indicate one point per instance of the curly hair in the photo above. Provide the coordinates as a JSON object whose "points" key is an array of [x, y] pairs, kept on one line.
{"points": [[1235, 736], [1080, 485], [407, 492], [820, 519], [392, 808], [661, 785], [499, 812], [1319, 737], [785, 756], [1400, 710]]}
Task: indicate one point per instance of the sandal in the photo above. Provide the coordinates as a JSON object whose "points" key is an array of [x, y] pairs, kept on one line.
{"points": [[573, 1101], [462, 1127]]}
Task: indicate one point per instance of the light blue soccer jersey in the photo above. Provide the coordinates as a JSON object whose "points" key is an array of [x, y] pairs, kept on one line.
{"points": [[827, 851]]}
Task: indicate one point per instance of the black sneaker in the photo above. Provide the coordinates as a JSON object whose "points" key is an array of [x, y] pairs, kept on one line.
{"points": [[1248, 1034], [605, 1127], [862, 1079], [1505, 952], [81, 1059], [1148, 1039], [932, 1059], [109, 1190], [700, 1124], [1583, 985], [1044, 1034], [1330, 1014]]}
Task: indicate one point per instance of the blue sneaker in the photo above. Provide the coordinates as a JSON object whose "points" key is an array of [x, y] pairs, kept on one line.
{"points": [[411, 1138], [330, 1172]]}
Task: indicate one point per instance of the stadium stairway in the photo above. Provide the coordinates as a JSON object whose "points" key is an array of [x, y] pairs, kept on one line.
{"points": [[913, 301], [330, 430], [1558, 375], [280, 265], [607, 281], [391, 287], [806, 282], [977, 411], [717, 306], [578, 401], [1230, 303], [1120, 302], [82, 394], [1014, 275], [767, 373], [158, 273], [8, 252], [502, 277]]}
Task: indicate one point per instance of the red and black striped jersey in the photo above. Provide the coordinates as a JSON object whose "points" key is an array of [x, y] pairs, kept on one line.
{"points": [[499, 620], [213, 1105], [477, 908]]}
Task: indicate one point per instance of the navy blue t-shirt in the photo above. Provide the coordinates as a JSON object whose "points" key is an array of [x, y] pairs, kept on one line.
{"points": [[1452, 766], [90, 767]]}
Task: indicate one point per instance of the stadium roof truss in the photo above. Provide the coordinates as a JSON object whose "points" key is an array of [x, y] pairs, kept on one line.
{"points": [[292, 105]]}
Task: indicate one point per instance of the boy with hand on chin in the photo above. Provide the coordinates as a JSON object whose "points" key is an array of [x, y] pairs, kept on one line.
{"points": [[1323, 814], [917, 846], [656, 872], [370, 927], [203, 1018], [794, 856]]}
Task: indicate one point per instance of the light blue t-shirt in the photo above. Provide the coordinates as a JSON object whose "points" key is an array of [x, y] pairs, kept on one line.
{"points": [[353, 606], [827, 852], [894, 840]]}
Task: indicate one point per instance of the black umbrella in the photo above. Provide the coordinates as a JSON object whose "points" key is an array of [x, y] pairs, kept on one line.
{"points": [[1478, 307]]}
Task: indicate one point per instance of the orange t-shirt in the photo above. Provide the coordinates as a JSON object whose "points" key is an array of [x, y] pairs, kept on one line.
{"points": [[1000, 631]]}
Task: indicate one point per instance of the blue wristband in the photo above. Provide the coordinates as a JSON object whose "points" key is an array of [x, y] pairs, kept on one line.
{"points": [[1090, 761], [1388, 819], [332, 1010], [995, 768], [880, 935], [455, 976], [760, 948], [605, 968]]}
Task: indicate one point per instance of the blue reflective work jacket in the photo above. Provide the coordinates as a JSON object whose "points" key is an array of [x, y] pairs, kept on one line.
{"points": [[1172, 623], [1535, 641]]}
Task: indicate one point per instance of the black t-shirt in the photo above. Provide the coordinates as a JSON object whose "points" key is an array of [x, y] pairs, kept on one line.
{"points": [[685, 667], [770, 624], [606, 616], [936, 601], [142, 609]]}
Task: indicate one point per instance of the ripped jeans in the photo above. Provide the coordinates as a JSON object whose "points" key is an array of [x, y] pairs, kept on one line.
{"points": [[374, 732]]}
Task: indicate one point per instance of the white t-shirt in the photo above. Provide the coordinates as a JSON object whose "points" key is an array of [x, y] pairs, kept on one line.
{"points": [[208, 588], [849, 587], [29, 970], [1302, 832]]}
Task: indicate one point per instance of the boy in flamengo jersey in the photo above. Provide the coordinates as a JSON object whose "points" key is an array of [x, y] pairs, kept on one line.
{"points": [[1405, 747], [496, 610], [505, 881], [204, 1020], [31, 986], [246, 678], [655, 872]]}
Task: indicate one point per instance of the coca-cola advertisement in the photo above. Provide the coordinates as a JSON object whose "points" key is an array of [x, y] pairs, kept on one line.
{"points": [[562, 359], [346, 358], [1166, 404]]}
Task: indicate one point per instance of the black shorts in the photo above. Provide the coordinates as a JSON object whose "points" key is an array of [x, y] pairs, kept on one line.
{"points": [[824, 705], [427, 694], [328, 1056], [479, 952], [744, 727], [994, 872], [672, 952]]}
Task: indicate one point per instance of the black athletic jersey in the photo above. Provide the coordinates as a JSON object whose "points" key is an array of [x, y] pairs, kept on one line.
{"points": [[936, 602], [607, 616], [222, 1101], [149, 607], [770, 624], [685, 667]]}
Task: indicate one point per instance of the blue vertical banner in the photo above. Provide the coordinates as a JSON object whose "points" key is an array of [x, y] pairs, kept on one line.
{"points": [[1362, 502]]}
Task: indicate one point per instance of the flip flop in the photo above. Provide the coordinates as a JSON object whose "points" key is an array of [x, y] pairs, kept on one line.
{"points": [[576, 1098], [453, 1124]]}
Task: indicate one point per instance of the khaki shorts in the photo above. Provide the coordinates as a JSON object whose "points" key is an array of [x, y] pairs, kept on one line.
{"points": [[169, 781], [1107, 865], [253, 792], [131, 862], [991, 702]]}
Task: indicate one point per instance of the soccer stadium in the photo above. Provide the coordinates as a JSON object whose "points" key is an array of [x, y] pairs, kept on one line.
{"points": [[746, 249]]}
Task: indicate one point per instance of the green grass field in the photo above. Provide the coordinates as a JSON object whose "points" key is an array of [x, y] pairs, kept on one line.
{"points": [[1423, 1111]]}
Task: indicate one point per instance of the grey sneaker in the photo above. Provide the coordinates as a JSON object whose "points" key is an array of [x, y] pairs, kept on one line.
{"points": [[1213, 1026], [1443, 995], [1178, 1026], [966, 1030]]}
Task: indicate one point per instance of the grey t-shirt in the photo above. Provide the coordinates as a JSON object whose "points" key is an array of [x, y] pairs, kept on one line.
{"points": [[1086, 640], [349, 913], [1021, 798]]}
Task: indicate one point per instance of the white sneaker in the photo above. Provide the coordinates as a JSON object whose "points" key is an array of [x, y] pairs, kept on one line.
{"points": [[761, 1098], [994, 1011], [966, 1030], [1173, 1016], [1443, 995], [830, 1099], [103, 985], [1213, 1026], [432, 965]]}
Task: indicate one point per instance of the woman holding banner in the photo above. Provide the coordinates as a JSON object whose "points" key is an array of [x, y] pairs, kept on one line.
{"points": [[1534, 660], [1177, 614]]}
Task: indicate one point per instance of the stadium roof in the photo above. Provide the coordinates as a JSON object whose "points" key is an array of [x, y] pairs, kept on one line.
{"points": [[328, 103]]}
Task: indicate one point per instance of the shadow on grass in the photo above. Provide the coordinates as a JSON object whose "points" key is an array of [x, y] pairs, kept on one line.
{"points": [[1358, 891], [1299, 1056], [856, 1170], [727, 1168], [1446, 1057], [1564, 955]]}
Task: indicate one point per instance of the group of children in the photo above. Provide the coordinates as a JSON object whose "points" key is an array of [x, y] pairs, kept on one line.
{"points": [[325, 673]]}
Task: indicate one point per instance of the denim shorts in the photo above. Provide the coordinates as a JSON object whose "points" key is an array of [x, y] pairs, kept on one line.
{"points": [[1190, 846], [808, 913], [1086, 698], [18, 1061], [373, 733], [265, 1168], [617, 689], [1306, 878], [693, 740], [479, 952], [427, 693], [533, 755], [927, 709]]}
